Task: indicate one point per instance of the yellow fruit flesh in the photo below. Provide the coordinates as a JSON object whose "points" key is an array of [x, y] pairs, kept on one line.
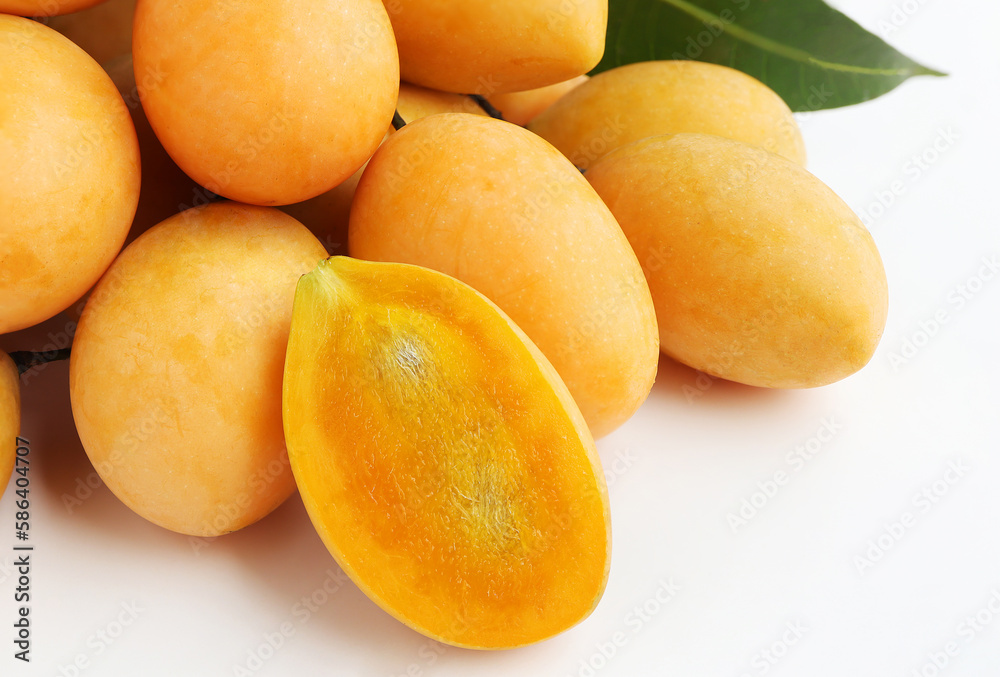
{"points": [[498, 208], [175, 376], [759, 272], [440, 457], [639, 100]]}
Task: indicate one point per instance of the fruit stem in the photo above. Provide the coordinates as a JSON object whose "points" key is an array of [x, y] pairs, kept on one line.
{"points": [[25, 359], [486, 106], [397, 121]]}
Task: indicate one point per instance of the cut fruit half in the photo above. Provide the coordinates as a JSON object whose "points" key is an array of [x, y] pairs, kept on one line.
{"points": [[441, 458]]}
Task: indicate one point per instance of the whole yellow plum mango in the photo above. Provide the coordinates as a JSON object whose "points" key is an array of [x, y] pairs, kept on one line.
{"points": [[69, 172], [759, 272], [492, 46], [631, 102], [175, 376], [269, 102], [500, 209]]}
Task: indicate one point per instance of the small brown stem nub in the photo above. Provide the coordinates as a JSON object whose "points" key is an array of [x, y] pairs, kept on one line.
{"points": [[397, 121], [25, 359], [486, 106]]}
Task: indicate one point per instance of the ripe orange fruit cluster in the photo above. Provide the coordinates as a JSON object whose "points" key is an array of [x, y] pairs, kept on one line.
{"points": [[435, 397]]}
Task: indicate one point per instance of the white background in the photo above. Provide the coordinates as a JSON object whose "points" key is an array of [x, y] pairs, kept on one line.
{"points": [[794, 591]]}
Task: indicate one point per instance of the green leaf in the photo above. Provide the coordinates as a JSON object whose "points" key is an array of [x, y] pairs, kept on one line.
{"points": [[808, 52]]}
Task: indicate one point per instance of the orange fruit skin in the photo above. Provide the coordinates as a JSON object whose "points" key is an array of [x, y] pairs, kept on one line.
{"points": [[327, 215], [632, 102], [69, 172], [45, 7], [165, 190], [10, 417], [497, 207], [490, 47], [267, 103], [175, 375], [759, 272]]}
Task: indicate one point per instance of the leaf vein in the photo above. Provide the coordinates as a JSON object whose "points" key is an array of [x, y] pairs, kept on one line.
{"points": [[766, 44]]}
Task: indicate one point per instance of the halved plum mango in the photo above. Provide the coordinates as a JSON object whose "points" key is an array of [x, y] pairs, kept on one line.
{"points": [[441, 458]]}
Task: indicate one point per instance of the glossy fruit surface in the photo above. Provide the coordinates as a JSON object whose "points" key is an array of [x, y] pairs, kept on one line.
{"points": [[441, 458]]}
